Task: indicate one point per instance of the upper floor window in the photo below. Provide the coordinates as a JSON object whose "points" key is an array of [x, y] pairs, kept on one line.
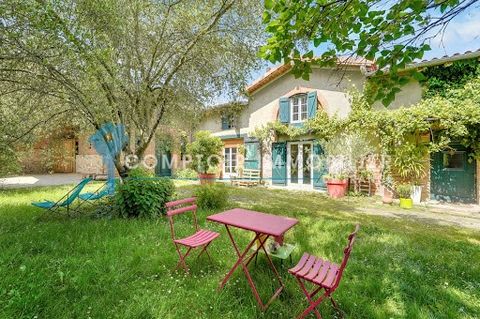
{"points": [[298, 108], [227, 122]]}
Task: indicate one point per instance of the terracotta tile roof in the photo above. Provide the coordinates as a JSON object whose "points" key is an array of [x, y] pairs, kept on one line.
{"points": [[446, 58], [217, 107], [280, 70]]}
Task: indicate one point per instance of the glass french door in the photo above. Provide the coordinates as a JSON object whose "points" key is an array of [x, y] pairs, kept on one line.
{"points": [[230, 162], [299, 164]]}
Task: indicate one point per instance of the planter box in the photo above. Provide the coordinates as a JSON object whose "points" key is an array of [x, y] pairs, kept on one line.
{"points": [[206, 178], [387, 196], [337, 188], [406, 203]]}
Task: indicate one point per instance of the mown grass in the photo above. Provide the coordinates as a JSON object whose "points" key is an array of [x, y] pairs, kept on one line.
{"points": [[53, 266]]}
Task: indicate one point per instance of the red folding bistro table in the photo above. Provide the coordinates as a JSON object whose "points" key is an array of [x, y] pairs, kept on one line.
{"points": [[264, 226]]}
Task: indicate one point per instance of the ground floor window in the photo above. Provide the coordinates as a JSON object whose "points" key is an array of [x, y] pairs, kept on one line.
{"points": [[230, 161]]}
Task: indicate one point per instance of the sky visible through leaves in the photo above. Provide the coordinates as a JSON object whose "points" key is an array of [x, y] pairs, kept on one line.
{"points": [[462, 34]]}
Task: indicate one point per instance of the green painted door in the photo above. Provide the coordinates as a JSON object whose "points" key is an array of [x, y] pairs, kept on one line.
{"points": [[163, 167], [319, 166], [252, 156], [453, 177], [279, 163]]}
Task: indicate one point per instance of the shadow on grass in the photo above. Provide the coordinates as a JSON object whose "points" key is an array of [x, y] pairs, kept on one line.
{"points": [[55, 266]]}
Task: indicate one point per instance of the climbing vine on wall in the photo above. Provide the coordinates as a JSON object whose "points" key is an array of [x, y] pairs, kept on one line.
{"points": [[441, 78], [230, 111], [454, 116], [450, 110]]}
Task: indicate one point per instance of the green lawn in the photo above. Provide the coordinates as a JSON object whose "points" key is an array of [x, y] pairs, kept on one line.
{"points": [[53, 266]]}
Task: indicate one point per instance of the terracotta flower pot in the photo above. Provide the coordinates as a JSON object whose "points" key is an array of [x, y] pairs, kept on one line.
{"points": [[206, 178], [387, 196], [337, 188], [406, 203]]}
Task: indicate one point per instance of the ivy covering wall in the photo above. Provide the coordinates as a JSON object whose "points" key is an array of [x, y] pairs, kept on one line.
{"points": [[450, 108]]}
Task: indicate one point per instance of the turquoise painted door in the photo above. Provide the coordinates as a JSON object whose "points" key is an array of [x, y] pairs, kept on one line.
{"points": [[319, 166], [163, 164], [252, 156], [453, 177], [279, 163]]}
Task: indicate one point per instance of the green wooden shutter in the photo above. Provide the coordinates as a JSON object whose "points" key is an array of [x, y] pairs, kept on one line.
{"points": [[162, 168], [284, 110], [319, 166], [279, 163], [252, 155], [225, 122], [312, 104]]}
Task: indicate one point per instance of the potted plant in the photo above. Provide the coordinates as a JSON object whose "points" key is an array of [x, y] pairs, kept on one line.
{"points": [[404, 191], [343, 152], [409, 162], [337, 185], [204, 152]]}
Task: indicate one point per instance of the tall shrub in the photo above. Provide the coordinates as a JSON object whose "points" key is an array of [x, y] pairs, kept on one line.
{"points": [[142, 194], [213, 196], [205, 152]]}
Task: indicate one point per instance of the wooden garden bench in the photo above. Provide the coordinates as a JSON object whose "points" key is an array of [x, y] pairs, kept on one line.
{"points": [[249, 177]]}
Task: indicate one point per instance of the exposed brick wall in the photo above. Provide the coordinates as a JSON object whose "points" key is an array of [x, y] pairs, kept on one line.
{"points": [[84, 147], [88, 161], [425, 182]]}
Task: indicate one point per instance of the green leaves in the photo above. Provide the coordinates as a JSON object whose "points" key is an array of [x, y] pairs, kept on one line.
{"points": [[205, 151], [142, 194], [141, 63], [268, 4], [418, 76], [212, 197], [362, 27]]}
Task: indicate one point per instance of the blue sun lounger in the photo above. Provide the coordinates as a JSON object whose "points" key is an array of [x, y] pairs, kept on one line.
{"points": [[107, 189], [66, 201]]}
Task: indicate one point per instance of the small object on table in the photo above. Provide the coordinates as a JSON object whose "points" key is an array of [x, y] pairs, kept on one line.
{"points": [[273, 247], [264, 226], [276, 250]]}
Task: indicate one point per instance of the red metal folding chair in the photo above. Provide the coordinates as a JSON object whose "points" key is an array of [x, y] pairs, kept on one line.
{"points": [[322, 274], [201, 238]]}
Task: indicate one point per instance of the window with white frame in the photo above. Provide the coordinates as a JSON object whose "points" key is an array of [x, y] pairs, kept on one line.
{"points": [[298, 108], [230, 161]]}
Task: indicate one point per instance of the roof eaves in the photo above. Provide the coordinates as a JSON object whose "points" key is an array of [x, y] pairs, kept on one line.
{"points": [[280, 70], [445, 59]]}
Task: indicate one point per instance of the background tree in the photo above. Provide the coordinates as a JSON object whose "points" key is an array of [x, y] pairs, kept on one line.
{"points": [[393, 33], [139, 63]]}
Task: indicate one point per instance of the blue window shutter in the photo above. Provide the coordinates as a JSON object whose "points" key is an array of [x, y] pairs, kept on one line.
{"points": [[312, 104], [284, 111], [225, 122], [252, 155], [319, 166], [279, 165]]}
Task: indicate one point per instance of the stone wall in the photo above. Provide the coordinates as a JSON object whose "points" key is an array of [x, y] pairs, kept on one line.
{"points": [[90, 164]]}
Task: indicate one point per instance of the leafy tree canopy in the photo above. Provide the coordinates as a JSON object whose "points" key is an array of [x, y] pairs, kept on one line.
{"points": [[141, 63], [393, 33]]}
